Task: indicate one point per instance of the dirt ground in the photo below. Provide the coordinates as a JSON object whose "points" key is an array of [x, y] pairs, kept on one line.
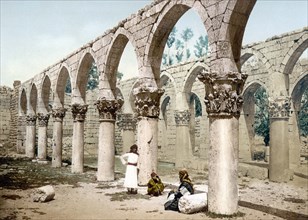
{"points": [[80, 196]]}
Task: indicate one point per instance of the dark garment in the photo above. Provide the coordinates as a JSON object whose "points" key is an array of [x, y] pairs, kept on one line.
{"points": [[185, 188]]}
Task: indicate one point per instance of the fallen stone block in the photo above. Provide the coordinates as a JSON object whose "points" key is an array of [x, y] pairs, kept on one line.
{"points": [[189, 204], [43, 194]]}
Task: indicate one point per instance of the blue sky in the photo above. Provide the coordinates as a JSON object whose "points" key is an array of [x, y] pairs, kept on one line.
{"points": [[36, 34]]}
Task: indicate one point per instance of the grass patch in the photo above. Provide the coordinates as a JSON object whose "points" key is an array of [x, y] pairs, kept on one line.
{"points": [[294, 200], [12, 197], [214, 215]]}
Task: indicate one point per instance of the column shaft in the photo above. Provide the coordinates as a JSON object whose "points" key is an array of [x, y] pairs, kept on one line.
{"points": [[106, 149], [42, 143], [78, 147], [57, 144], [30, 141], [223, 160], [147, 148]]}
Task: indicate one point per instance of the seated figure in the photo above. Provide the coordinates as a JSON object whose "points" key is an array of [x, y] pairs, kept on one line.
{"points": [[185, 188], [155, 185]]}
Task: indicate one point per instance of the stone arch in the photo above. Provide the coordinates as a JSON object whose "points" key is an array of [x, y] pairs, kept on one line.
{"points": [[32, 105], [131, 95], [23, 103], [45, 94], [250, 52], [249, 116], [157, 39], [63, 76], [166, 77], [293, 54], [163, 107], [192, 75], [237, 14], [114, 54], [82, 75]]}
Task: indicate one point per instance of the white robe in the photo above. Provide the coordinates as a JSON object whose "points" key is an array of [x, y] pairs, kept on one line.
{"points": [[131, 170]]}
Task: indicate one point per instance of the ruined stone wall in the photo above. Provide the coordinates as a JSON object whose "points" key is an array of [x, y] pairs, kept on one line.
{"points": [[6, 95]]}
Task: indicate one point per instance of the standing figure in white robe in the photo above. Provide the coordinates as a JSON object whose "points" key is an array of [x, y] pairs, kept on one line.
{"points": [[131, 160]]}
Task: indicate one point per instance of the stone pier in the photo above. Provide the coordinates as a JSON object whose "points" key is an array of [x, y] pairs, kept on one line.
{"points": [[42, 136], [106, 149], [30, 135], [79, 114], [147, 107], [58, 115]]}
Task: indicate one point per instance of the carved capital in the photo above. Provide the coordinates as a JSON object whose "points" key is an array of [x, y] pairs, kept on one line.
{"points": [[223, 97], [127, 121], [43, 119], [31, 120], [79, 112], [147, 101], [107, 108], [279, 107], [59, 113], [182, 117]]}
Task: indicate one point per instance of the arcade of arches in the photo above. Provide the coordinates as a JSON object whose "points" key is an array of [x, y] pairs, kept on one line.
{"points": [[157, 110]]}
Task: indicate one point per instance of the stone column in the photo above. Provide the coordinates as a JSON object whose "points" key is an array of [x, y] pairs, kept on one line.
{"points": [[58, 115], [183, 145], [279, 109], [79, 114], [42, 136], [106, 149], [127, 123], [147, 107], [30, 135], [223, 104]]}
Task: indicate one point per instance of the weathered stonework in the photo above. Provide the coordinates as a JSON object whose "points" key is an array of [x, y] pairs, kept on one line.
{"points": [[107, 108], [223, 97], [79, 112], [182, 117], [43, 119], [126, 121], [58, 114], [279, 107], [147, 101], [31, 120]]}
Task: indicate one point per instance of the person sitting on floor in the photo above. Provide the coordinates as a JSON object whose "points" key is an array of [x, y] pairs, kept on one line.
{"points": [[185, 188], [155, 185]]}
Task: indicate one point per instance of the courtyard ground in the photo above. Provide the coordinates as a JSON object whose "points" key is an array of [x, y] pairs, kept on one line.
{"points": [[80, 196]]}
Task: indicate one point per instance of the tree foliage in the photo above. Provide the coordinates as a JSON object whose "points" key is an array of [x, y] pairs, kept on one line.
{"points": [[303, 115], [201, 46], [262, 123]]}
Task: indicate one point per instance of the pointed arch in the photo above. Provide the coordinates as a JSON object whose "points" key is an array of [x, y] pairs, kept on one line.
{"points": [[294, 53], [192, 75], [114, 54], [85, 64], [32, 105], [61, 81], [23, 103], [250, 52], [157, 39], [45, 94]]}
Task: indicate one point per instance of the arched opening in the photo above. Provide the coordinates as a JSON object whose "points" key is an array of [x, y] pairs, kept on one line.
{"points": [[23, 103], [33, 100], [195, 108]]}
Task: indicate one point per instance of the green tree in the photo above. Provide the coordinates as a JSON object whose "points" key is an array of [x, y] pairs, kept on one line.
{"points": [[68, 88], [119, 75], [303, 115], [201, 46], [167, 58], [262, 123], [93, 77], [179, 46], [186, 35]]}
